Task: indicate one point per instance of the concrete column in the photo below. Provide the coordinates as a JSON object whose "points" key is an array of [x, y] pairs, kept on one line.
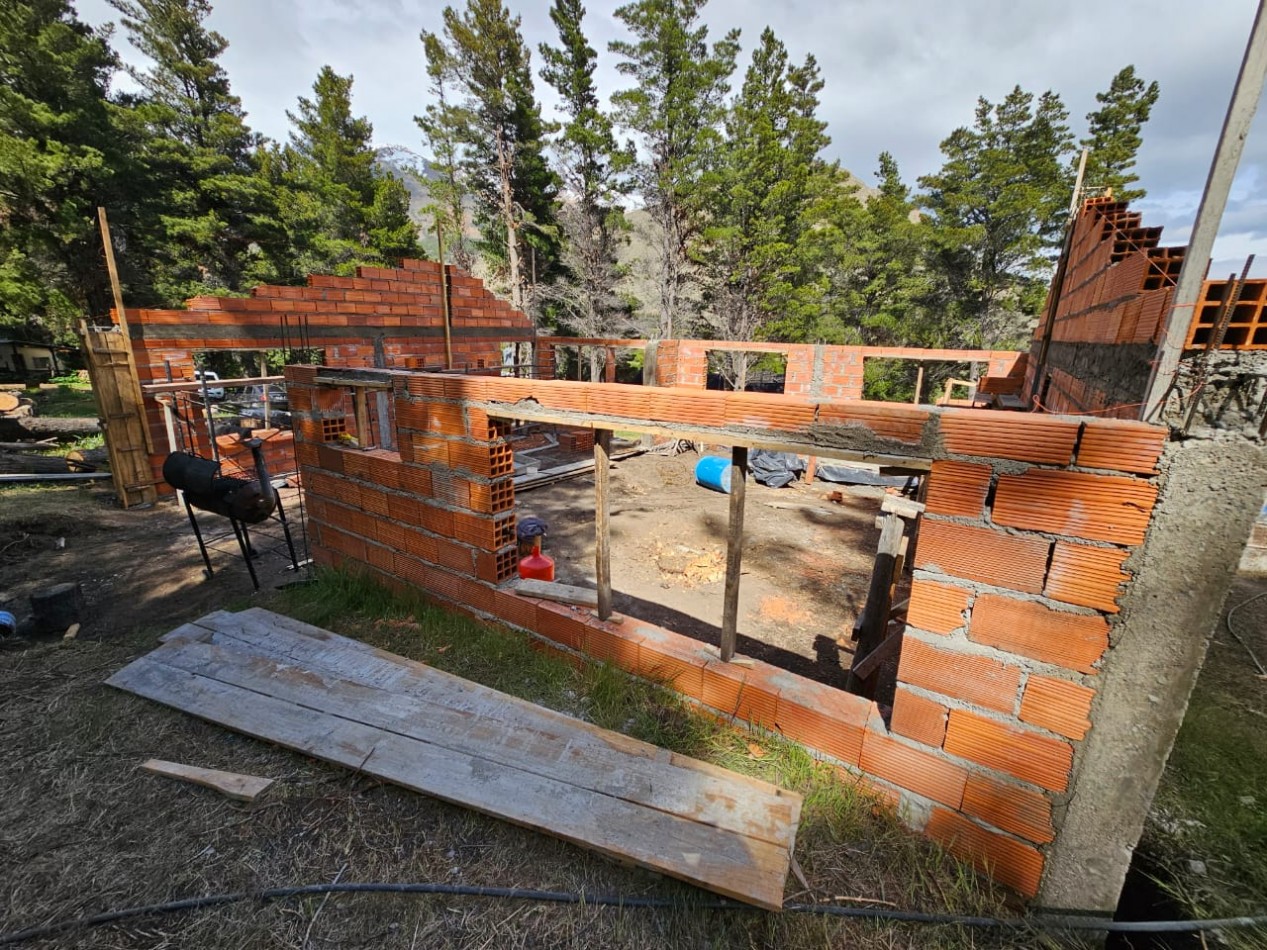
{"points": [[1212, 493]]}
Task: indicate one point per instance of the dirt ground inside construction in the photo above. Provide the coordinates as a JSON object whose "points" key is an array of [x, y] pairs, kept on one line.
{"points": [[807, 561]]}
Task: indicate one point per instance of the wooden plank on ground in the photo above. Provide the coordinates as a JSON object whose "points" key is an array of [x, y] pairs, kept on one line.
{"points": [[243, 788], [347, 703], [264, 633]]}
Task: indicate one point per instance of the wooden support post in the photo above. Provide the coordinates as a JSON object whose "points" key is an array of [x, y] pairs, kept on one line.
{"points": [[602, 550], [444, 296], [264, 389], [875, 614], [919, 383], [734, 552], [117, 290], [364, 437]]}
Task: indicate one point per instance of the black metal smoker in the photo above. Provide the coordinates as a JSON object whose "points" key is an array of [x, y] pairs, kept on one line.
{"points": [[243, 501]]}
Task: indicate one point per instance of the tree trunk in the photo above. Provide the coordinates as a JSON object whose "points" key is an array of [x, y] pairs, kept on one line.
{"points": [[41, 427], [23, 463], [505, 164]]}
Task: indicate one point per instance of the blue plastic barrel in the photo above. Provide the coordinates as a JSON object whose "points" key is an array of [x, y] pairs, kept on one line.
{"points": [[713, 472], [8, 624]]}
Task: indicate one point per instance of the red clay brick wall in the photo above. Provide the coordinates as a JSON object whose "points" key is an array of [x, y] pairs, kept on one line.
{"points": [[1117, 292], [343, 315], [813, 371], [1018, 572]]}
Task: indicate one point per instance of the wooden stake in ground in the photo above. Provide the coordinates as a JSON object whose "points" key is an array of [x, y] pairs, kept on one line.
{"points": [[243, 788], [734, 552], [602, 549], [872, 626]]}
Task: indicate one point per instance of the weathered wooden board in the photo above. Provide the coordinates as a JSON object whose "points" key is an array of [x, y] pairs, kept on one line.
{"points": [[243, 788], [348, 703]]}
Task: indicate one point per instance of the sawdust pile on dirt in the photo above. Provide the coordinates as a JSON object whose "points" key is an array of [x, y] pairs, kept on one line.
{"points": [[687, 566]]}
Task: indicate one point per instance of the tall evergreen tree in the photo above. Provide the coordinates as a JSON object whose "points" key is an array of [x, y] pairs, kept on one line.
{"points": [[998, 204], [675, 107], [592, 164], [339, 208], [60, 156], [498, 123], [760, 192], [1113, 133], [895, 284], [213, 218], [447, 186]]}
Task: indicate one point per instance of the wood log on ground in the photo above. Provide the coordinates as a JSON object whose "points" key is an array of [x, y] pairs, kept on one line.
{"points": [[41, 427], [29, 463], [88, 460], [9, 401]]}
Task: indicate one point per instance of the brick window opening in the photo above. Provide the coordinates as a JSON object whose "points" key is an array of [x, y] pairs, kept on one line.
{"points": [[747, 370]]}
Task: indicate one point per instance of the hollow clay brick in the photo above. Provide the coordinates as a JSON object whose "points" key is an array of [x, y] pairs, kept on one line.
{"points": [[1023, 753], [914, 769], [1022, 437], [918, 718], [937, 608], [1121, 445], [1009, 861], [958, 488], [979, 680], [1058, 705], [1074, 641], [1097, 507], [1086, 576], [1022, 811], [983, 554]]}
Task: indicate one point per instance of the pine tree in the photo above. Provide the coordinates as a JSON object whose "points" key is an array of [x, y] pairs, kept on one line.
{"points": [[1113, 133], [998, 204], [894, 285], [338, 207], [447, 188], [212, 224], [499, 126], [675, 107], [60, 156], [760, 192], [592, 164]]}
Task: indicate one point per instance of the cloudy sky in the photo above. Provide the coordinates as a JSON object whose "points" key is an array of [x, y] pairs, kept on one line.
{"points": [[900, 74]]}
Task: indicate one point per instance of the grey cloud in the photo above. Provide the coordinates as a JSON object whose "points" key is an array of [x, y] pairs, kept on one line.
{"points": [[900, 74]]}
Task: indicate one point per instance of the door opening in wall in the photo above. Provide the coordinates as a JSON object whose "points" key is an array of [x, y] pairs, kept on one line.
{"points": [[809, 551]]}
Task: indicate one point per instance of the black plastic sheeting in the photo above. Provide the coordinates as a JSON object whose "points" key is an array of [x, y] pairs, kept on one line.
{"points": [[846, 475], [775, 469]]}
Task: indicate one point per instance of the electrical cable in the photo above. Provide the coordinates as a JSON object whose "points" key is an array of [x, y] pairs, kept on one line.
{"points": [[875, 914], [1227, 621]]}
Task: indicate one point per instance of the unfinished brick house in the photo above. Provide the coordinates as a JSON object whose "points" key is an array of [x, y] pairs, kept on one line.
{"points": [[1070, 563]]}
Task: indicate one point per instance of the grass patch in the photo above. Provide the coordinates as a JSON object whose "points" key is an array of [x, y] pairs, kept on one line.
{"points": [[82, 444], [848, 843], [64, 402], [1211, 806]]}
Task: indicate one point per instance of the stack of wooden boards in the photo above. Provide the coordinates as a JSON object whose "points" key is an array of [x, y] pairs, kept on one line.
{"points": [[345, 702]]}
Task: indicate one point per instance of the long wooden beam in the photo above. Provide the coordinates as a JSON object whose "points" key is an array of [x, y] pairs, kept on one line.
{"points": [[195, 385], [722, 435]]}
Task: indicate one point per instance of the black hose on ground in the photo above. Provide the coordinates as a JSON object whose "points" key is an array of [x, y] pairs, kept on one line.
{"points": [[874, 914]]}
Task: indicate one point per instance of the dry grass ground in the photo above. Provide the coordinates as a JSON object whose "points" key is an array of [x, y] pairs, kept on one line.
{"points": [[83, 831]]}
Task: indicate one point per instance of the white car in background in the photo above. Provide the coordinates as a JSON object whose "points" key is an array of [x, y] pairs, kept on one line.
{"points": [[213, 391]]}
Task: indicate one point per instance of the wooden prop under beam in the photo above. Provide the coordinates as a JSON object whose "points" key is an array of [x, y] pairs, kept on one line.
{"points": [[734, 552]]}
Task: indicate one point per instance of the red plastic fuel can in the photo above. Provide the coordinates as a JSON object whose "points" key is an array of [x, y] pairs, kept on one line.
{"points": [[536, 565]]}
